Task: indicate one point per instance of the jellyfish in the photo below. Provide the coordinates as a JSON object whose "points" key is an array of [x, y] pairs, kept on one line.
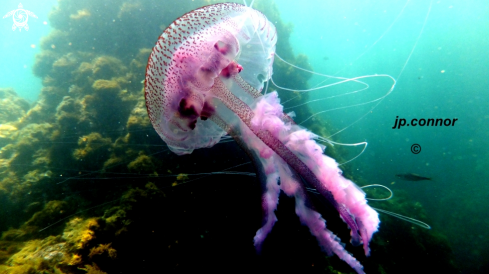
{"points": [[204, 80]]}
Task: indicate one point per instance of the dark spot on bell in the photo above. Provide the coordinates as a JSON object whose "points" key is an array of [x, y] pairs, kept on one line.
{"points": [[225, 72], [192, 124], [186, 110], [221, 47]]}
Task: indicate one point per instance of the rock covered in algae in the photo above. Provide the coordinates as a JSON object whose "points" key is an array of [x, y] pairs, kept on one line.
{"points": [[91, 147], [80, 232], [12, 107], [63, 253], [143, 163], [83, 243], [39, 256], [92, 269], [25, 161], [52, 212]]}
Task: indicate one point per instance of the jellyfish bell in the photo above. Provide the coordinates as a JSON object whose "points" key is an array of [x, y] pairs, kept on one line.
{"points": [[204, 79], [189, 57]]}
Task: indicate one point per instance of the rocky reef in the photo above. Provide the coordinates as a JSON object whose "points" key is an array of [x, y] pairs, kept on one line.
{"points": [[87, 186]]}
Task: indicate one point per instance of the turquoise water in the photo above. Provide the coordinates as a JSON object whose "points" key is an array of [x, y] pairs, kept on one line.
{"points": [[445, 77], [435, 50], [18, 48]]}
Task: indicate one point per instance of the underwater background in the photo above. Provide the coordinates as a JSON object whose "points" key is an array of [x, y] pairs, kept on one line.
{"points": [[87, 186]]}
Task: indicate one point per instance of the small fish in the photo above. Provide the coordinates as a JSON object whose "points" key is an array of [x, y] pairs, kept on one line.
{"points": [[412, 177]]}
